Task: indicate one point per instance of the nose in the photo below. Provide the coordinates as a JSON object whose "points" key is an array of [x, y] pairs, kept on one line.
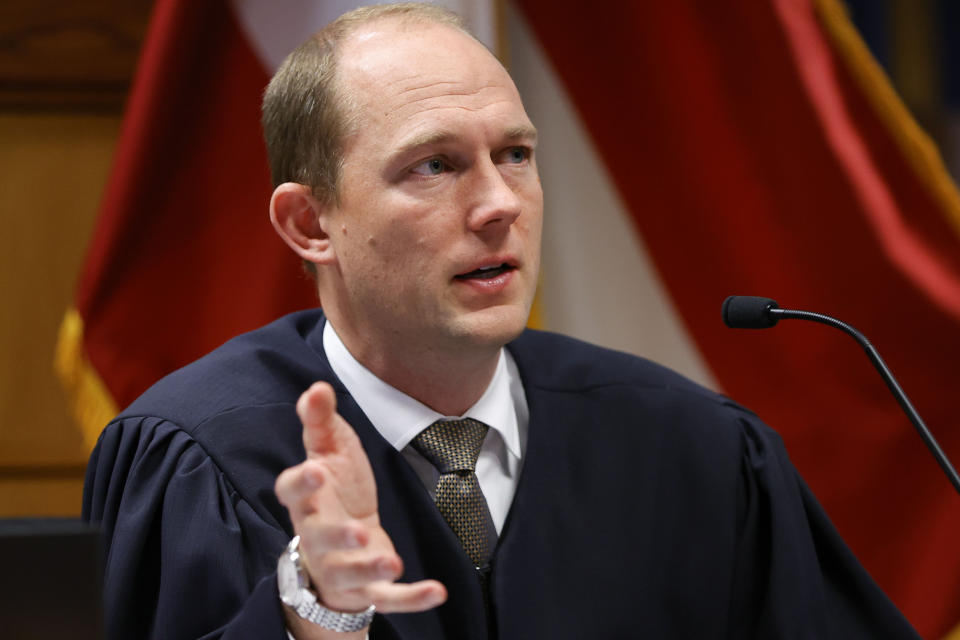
{"points": [[494, 203]]}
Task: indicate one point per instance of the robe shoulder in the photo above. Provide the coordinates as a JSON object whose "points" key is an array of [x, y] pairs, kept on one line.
{"points": [[184, 478], [724, 518], [566, 367], [270, 365], [182, 528]]}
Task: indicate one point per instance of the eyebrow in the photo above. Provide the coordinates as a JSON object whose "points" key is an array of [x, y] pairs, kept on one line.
{"points": [[522, 132], [423, 140], [519, 132]]}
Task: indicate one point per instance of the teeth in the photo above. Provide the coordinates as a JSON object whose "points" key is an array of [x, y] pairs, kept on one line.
{"points": [[482, 271]]}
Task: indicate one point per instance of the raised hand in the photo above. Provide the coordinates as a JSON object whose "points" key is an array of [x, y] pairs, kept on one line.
{"points": [[332, 500]]}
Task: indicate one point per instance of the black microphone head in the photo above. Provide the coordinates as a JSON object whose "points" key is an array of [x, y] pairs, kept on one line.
{"points": [[749, 312]]}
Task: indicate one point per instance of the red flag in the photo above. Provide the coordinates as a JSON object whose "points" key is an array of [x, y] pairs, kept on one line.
{"points": [[758, 150], [183, 256]]}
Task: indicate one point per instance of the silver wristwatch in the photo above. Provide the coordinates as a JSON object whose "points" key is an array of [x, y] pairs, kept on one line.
{"points": [[294, 585]]}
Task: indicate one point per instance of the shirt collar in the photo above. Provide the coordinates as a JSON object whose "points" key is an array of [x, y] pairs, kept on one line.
{"points": [[399, 418]]}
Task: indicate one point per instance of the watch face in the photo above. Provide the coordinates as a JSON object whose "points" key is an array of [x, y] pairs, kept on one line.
{"points": [[287, 581]]}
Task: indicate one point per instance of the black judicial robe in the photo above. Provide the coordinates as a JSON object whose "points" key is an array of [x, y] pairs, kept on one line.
{"points": [[647, 507]]}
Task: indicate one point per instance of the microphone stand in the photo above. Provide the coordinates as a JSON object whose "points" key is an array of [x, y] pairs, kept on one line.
{"points": [[888, 378]]}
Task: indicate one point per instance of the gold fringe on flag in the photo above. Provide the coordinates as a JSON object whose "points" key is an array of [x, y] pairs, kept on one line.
{"points": [[916, 145], [89, 399]]}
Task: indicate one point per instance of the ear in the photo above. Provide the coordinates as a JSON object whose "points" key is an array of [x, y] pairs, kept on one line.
{"points": [[295, 214]]}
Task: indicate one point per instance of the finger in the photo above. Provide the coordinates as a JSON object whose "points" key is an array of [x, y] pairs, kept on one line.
{"points": [[317, 408], [297, 486], [321, 535], [392, 597], [343, 572], [328, 437]]}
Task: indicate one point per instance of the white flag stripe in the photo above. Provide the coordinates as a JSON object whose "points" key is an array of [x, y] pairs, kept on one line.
{"points": [[598, 282]]}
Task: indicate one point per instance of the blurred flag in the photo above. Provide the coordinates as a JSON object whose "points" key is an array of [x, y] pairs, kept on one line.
{"points": [[691, 150], [183, 256]]}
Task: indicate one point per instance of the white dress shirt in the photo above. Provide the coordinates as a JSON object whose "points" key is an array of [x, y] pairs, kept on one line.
{"points": [[399, 418]]}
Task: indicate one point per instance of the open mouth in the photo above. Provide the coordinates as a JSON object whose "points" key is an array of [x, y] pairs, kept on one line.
{"points": [[485, 273]]}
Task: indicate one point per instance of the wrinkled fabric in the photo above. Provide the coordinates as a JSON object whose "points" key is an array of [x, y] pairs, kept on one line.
{"points": [[647, 507]]}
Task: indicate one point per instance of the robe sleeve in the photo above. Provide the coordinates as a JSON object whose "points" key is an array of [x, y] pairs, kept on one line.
{"points": [[795, 577], [186, 555]]}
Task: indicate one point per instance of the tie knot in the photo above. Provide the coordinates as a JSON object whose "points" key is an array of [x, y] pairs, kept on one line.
{"points": [[452, 445]]}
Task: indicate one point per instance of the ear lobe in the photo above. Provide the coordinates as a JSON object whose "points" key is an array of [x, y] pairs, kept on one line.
{"points": [[295, 214]]}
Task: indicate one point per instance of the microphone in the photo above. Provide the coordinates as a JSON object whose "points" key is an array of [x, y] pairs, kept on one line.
{"points": [[750, 312]]}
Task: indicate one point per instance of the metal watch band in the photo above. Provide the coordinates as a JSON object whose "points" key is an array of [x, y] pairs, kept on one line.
{"points": [[293, 585], [335, 620]]}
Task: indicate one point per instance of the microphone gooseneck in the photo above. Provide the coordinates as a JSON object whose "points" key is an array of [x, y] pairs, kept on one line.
{"points": [[750, 312]]}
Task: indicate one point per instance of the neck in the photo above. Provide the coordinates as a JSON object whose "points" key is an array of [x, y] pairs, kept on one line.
{"points": [[447, 382], [449, 386]]}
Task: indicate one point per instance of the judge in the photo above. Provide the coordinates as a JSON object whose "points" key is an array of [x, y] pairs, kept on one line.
{"points": [[414, 462]]}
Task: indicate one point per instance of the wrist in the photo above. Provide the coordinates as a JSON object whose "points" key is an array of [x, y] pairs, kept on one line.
{"points": [[301, 602]]}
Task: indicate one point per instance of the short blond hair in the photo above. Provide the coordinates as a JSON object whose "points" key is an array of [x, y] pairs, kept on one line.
{"points": [[306, 115]]}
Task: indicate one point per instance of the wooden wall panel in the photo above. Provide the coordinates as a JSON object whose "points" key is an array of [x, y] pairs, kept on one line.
{"points": [[52, 171], [68, 55], [65, 69], [55, 496]]}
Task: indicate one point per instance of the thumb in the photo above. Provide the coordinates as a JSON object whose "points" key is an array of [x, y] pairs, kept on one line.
{"points": [[322, 426]]}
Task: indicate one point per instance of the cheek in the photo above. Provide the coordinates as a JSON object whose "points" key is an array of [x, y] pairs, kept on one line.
{"points": [[400, 242], [531, 196], [407, 256], [531, 222]]}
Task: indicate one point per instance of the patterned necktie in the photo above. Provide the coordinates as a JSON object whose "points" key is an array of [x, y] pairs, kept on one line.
{"points": [[452, 446]]}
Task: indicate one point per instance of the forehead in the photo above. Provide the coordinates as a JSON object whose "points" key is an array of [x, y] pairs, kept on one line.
{"points": [[394, 74]]}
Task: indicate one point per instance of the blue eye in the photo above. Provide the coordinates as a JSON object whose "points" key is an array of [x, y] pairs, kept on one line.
{"points": [[517, 155], [431, 167]]}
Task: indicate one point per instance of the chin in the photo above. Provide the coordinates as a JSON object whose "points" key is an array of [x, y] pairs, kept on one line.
{"points": [[492, 327]]}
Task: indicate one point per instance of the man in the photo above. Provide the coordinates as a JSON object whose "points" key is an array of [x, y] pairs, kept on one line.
{"points": [[602, 497]]}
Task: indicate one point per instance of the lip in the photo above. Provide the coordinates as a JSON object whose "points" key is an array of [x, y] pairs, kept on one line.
{"points": [[509, 260], [488, 286]]}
